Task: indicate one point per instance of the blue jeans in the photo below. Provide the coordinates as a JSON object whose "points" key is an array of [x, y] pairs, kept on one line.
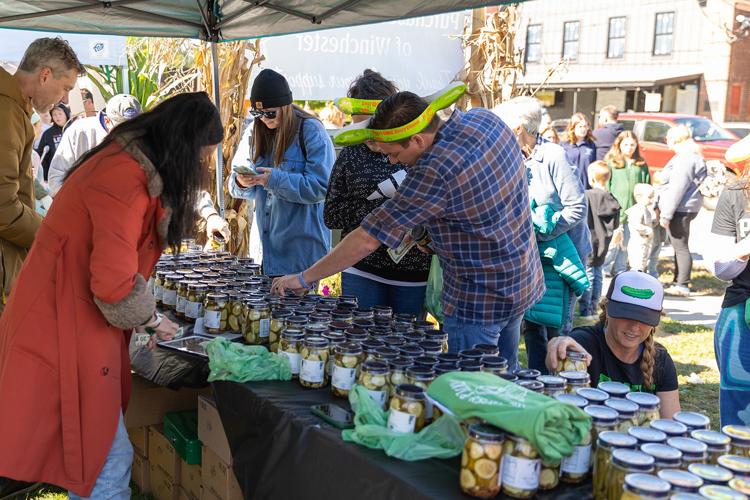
{"points": [[403, 299], [589, 301], [617, 258], [506, 334], [732, 348], [113, 482]]}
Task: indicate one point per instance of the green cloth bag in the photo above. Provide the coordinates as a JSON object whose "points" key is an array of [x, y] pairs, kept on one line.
{"points": [[553, 428], [244, 363], [443, 438], [432, 297]]}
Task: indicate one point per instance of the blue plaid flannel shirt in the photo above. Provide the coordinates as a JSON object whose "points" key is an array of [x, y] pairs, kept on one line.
{"points": [[470, 190]]}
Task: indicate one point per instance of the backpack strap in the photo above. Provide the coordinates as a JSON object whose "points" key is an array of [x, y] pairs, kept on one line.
{"points": [[301, 136]]}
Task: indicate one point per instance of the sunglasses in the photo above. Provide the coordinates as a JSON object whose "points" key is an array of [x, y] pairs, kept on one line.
{"points": [[255, 113]]}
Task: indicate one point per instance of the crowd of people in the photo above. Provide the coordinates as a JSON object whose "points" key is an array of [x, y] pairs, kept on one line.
{"points": [[480, 186]]}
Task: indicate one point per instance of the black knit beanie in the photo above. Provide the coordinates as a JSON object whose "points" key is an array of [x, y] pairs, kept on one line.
{"points": [[270, 90]]}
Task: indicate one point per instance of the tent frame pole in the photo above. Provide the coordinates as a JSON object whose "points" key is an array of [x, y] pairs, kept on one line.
{"points": [[220, 155]]}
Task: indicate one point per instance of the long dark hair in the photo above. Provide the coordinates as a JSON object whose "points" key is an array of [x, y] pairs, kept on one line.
{"points": [[171, 135]]}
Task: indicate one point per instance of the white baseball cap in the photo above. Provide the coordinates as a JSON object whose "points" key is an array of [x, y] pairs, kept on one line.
{"points": [[637, 296], [121, 108]]}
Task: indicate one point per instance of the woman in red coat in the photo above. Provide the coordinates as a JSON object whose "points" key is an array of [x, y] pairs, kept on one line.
{"points": [[64, 366]]}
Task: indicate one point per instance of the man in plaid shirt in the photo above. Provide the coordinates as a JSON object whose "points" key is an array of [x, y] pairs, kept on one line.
{"points": [[467, 185]]}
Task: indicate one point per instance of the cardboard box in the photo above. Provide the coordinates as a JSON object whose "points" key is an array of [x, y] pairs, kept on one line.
{"points": [[211, 431], [218, 477], [140, 473], [190, 479], [162, 454], [162, 486], [139, 440], [149, 402]]}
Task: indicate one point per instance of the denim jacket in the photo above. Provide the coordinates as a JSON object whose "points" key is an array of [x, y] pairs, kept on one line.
{"points": [[289, 210]]}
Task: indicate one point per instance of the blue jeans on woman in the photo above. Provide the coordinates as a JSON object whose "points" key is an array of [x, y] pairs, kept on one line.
{"points": [[505, 334], [403, 299], [732, 349], [113, 482], [589, 301]]}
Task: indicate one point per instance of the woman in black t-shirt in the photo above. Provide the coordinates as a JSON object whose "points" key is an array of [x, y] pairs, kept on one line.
{"points": [[622, 347]]}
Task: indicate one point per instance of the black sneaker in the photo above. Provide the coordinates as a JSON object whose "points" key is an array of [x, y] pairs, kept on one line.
{"points": [[9, 488]]}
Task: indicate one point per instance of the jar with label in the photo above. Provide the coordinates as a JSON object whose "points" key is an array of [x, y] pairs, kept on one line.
{"points": [[648, 406], [346, 360], [373, 376], [614, 389], [627, 412], [410, 351], [494, 364], [552, 385], [711, 474], [665, 457], [692, 420], [644, 487], [575, 380], [575, 467], [647, 435], [215, 313], [740, 436], [487, 349], [257, 322], [572, 399], [603, 419], [718, 443], [574, 362], [740, 485], [521, 467], [438, 336], [314, 357], [549, 476], [681, 481], [422, 376], [181, 299], [736, 464], [169, 293], [713, 492], [426, 361], [236, 312], [276, 327], [626, 462], [431, 348], [669, 427], [605, 444], [159, 286], [290, 346], [397, 376], [693, 452], [194, 304], [481, 461], [407, 409]]}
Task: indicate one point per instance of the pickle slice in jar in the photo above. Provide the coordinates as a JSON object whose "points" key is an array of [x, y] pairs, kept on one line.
{"points": [[493, 451], [548, 478], [414, 408], [468, 481], [476, 451], [349, 361], [485, 468]]}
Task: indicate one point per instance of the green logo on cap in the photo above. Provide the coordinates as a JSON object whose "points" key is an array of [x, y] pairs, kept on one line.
{"points": [[637, 293]]}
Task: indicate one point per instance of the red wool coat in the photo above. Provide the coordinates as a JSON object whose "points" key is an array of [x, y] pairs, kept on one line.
{"points": [[64, 366]]}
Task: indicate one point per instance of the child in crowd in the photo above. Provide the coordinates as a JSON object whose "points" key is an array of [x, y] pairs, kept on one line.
{"points": [[641, 222], [603, 219]]}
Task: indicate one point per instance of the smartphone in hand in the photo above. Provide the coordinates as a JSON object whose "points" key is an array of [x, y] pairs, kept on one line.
{"points": [[245, 170]]}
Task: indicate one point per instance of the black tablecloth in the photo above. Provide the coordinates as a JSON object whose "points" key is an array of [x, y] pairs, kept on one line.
{"points": [[282, 451]]}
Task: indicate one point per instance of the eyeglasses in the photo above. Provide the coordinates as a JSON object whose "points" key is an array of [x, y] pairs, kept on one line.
{"points": [[256, 113]]}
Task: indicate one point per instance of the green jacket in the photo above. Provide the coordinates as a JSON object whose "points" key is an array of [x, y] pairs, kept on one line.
{"points": [[622, 182]]}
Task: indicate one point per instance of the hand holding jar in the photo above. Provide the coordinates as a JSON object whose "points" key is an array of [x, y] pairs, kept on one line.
{"points": [[557, 353]]}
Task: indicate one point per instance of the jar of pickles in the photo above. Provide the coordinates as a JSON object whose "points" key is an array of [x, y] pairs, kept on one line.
{"points": [[647, 435], [194, 304], [549, 476], [487, 349], [159, 286], [431, 348], [714, 492], [575, 380], [521, 468], [215, 313], [276, 327], [314, 357], [169, 294], [438, 336], [494, 364], [236, 312], [575, 467], [346, 360], [718, 443], [407, 409], [552, 385], [373, 376], [410, 351], [290, 346], [481, 461], [736, 464], [333, 339], [526, 373], [531, 385], [472, 365], [572, 399], [740, 436], [296, 321], [592, 396], [711, 474], [603, 419], [669, 427], [342, 316], [626, 462], [665, 457], [692, 420], [692, 451], [394, 341], [740, 485], [574, 362], [257, 322], [422, 376], [385, 354], [397, 377], [354, 334], [614, 389], [428, 361], [181, 300], [607, 442], [644, 487], [627, 412], [369, 347], [648, 406], [681, 481]]}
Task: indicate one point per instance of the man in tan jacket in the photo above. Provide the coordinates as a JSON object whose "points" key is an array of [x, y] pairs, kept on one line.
{"points": [[48, 71]]}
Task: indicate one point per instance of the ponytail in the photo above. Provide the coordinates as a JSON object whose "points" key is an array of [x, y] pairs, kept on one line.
{"points": [[647, 362]]}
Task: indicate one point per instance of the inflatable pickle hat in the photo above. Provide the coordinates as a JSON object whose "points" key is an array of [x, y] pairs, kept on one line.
{"points": [[358, 132]]}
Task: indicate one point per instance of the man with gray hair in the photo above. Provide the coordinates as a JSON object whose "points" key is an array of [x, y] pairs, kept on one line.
{"points": [[609, 129], [48, 71]]}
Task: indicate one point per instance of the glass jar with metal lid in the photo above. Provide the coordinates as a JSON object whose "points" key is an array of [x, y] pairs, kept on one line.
{"points": [[442, 368], [693, 451], [194, 303], [413, 337], [342, 316], [325, 308], [692, 420], [741, 485], [549, 476], [521, 467], [480, 461], [410, 351], [215, 313], [736, 464], [296, 321], [572, 399], [407, 409], [711, 474], [364, 313], [385, 353], [397, 376], [373, 376], [381, 311], [575, 380], [575, 467], [494, 364], [347, 357], [648, 406], [627, 412], [277, 327], [644, 487], [422, 376], [665, 457], [236, 312], [431, 347], [182, 295], [159, 285], [369, 347], [377, 332], [718, 443], [438, 336], [313, 360], [469, 365], [354, 334], [315, 330], [394, 341], [333, 338], [290, 346], [647, 435], [341, 327], [510, 377], [526, 373], [626, 462], [552, 385], [592, 396], [603, 419], [740, 436], [714, 492], [614, 389], [257, 322], [669, 427], [169, 291], [681, 481], [487, 349], [318, 319], [574, 362], [531, 385], [428, 361], [423, 326], [605, 444]]}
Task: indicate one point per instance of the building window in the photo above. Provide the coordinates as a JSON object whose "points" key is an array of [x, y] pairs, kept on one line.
{"points": [[735, 99], [616, 38], [571, 32], [663, 33], [534, 43]]}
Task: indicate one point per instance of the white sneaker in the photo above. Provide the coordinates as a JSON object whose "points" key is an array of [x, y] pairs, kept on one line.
{"points": [[677, 290]]}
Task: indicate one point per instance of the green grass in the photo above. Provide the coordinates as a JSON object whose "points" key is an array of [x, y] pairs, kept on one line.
{"points": [[702, 282]]}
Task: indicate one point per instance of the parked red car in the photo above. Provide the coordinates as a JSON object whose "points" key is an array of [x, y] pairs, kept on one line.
{"points": [[651, 130]]}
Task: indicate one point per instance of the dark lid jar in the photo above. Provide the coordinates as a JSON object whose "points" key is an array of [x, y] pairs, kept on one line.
{"points": [[528, 374], [469, 365], [470, 354], [432, 348], [355, 334], [410, 350], [448, 357], [428, 361], [385, 353], [341, 327], [394, 341], [442, 368], [487, 349], [494, 364], [532, 385]]}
